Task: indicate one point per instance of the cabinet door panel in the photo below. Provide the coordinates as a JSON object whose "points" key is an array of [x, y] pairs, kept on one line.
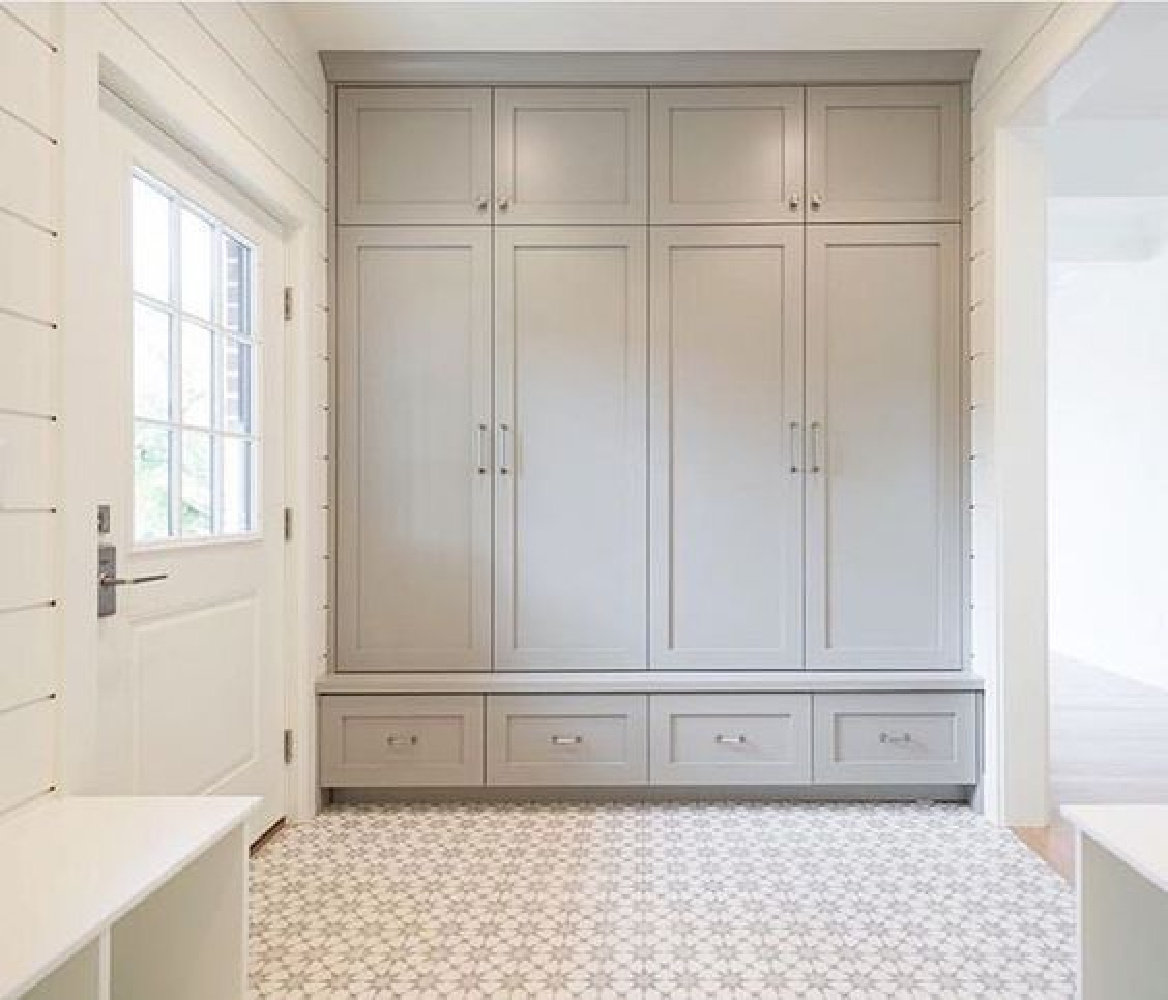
{"points": [[414, 526], [565, 155], [727, 154], [414, 154], [884, 154], [883, 540], [727, 491], [570, 401]]}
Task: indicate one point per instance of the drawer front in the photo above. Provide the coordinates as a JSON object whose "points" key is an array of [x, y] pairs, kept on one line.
{"points": [[730, 739], [887, 739], [566, 740], [372, 741]]}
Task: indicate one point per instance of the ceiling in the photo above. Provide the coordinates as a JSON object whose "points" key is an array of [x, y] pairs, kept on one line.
{"points": [[619, 26]]}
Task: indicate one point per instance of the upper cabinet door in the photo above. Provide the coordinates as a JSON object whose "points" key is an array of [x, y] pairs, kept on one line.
{"points": [[726, 474], [883, 462], [884, 154], [414, 464], [570, 559], [414, 155], [570, 155], [727, 154]]}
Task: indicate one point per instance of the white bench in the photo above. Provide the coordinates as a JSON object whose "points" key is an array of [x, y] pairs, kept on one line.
{"points": [[130, 898], [1122, 885]]}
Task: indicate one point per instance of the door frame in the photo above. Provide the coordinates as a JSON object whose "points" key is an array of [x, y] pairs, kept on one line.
{"points": [[100, 57]]}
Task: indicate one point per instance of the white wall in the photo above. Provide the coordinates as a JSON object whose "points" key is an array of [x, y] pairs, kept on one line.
{"points": [[235, 85], [1107, 341]]}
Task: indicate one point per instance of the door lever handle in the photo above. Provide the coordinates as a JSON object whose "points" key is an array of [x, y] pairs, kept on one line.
{"points": [[105, 580]]}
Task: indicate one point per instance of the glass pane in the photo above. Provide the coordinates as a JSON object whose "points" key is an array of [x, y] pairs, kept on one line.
{"points": [[196, 483], [151, 362], [151, 483], [238, 486], [237, 268], [195, 261], [151, 241], [238, 380], [196, 375]]}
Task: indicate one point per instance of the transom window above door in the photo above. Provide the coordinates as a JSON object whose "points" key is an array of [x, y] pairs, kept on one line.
{"points": [[196, 429]]}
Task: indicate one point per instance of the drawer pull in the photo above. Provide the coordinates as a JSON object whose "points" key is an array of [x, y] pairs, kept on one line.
{"points": [[567, 741], [401, 741], [901, 740], [730, 740]]}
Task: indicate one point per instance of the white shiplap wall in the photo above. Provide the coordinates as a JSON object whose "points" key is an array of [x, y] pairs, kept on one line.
{"points": [[29, 436]]}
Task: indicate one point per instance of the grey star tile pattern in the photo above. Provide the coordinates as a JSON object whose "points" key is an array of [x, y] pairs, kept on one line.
{"points": [[654, 900]]}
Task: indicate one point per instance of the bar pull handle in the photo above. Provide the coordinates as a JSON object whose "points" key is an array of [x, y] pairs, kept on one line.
{"points": [[567, 741], [504, 450], [481, 440], [816, 447], [902, 740], [733, 741], [401, 741], [796, 445]]}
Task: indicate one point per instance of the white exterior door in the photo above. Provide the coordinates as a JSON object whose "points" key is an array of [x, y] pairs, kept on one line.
{"points": [[188, 416], [414, 463], [883, 463], [570, 560], [727, 452]]}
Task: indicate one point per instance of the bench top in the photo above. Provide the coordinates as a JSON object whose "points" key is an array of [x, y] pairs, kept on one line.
{"points": [[70, 866], [1136, 834]]}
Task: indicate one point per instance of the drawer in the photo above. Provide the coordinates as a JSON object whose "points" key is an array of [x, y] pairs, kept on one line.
{"points": [[730, 739], [566, 740], [370, 741], [895, 739]]}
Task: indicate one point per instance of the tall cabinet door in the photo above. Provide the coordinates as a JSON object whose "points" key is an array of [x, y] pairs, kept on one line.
{"points": [[414, 464], [414, 155], [726, 479], [570, 559], [883, 464], [884, 154], [565, 155], [726, 154]]}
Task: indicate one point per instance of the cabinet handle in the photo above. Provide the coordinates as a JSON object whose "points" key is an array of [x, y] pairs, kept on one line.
{"points": [[816, 202], [793, 201], [816, 447], [504, 456], [481, 441], [503, 203], [482, 202], [567, 741], [730, 740], [901, 740], [401, 741], [796, 448]]}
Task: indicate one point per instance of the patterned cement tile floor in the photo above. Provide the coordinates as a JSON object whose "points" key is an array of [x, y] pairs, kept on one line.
{"points": [[823, 902]]}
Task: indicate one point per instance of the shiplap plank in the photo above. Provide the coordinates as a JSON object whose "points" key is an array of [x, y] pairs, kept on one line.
{"points": [[230, 24], [26, 375], [174, 34], [304, 60], [27, 736], [37, 17], [26, 67], [27, 447], [27, 543], [26, 172], [26, 269], [28, 666]]}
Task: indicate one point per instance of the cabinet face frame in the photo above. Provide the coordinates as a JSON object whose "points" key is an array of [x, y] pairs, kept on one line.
{"points": [[629, 476], [788, 204], [943, 99], [945, 652], [474, 209], [664, 652], [473, 652], [511, 206]]}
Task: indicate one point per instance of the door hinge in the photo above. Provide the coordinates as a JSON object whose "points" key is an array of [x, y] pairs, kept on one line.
{"points": [[289, 746], [287, 524], [287, 304]]}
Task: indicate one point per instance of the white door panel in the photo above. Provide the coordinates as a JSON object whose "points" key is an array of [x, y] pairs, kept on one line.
{"points": [[727, 485], [883, 484], [414, 483], [570, 412]]}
